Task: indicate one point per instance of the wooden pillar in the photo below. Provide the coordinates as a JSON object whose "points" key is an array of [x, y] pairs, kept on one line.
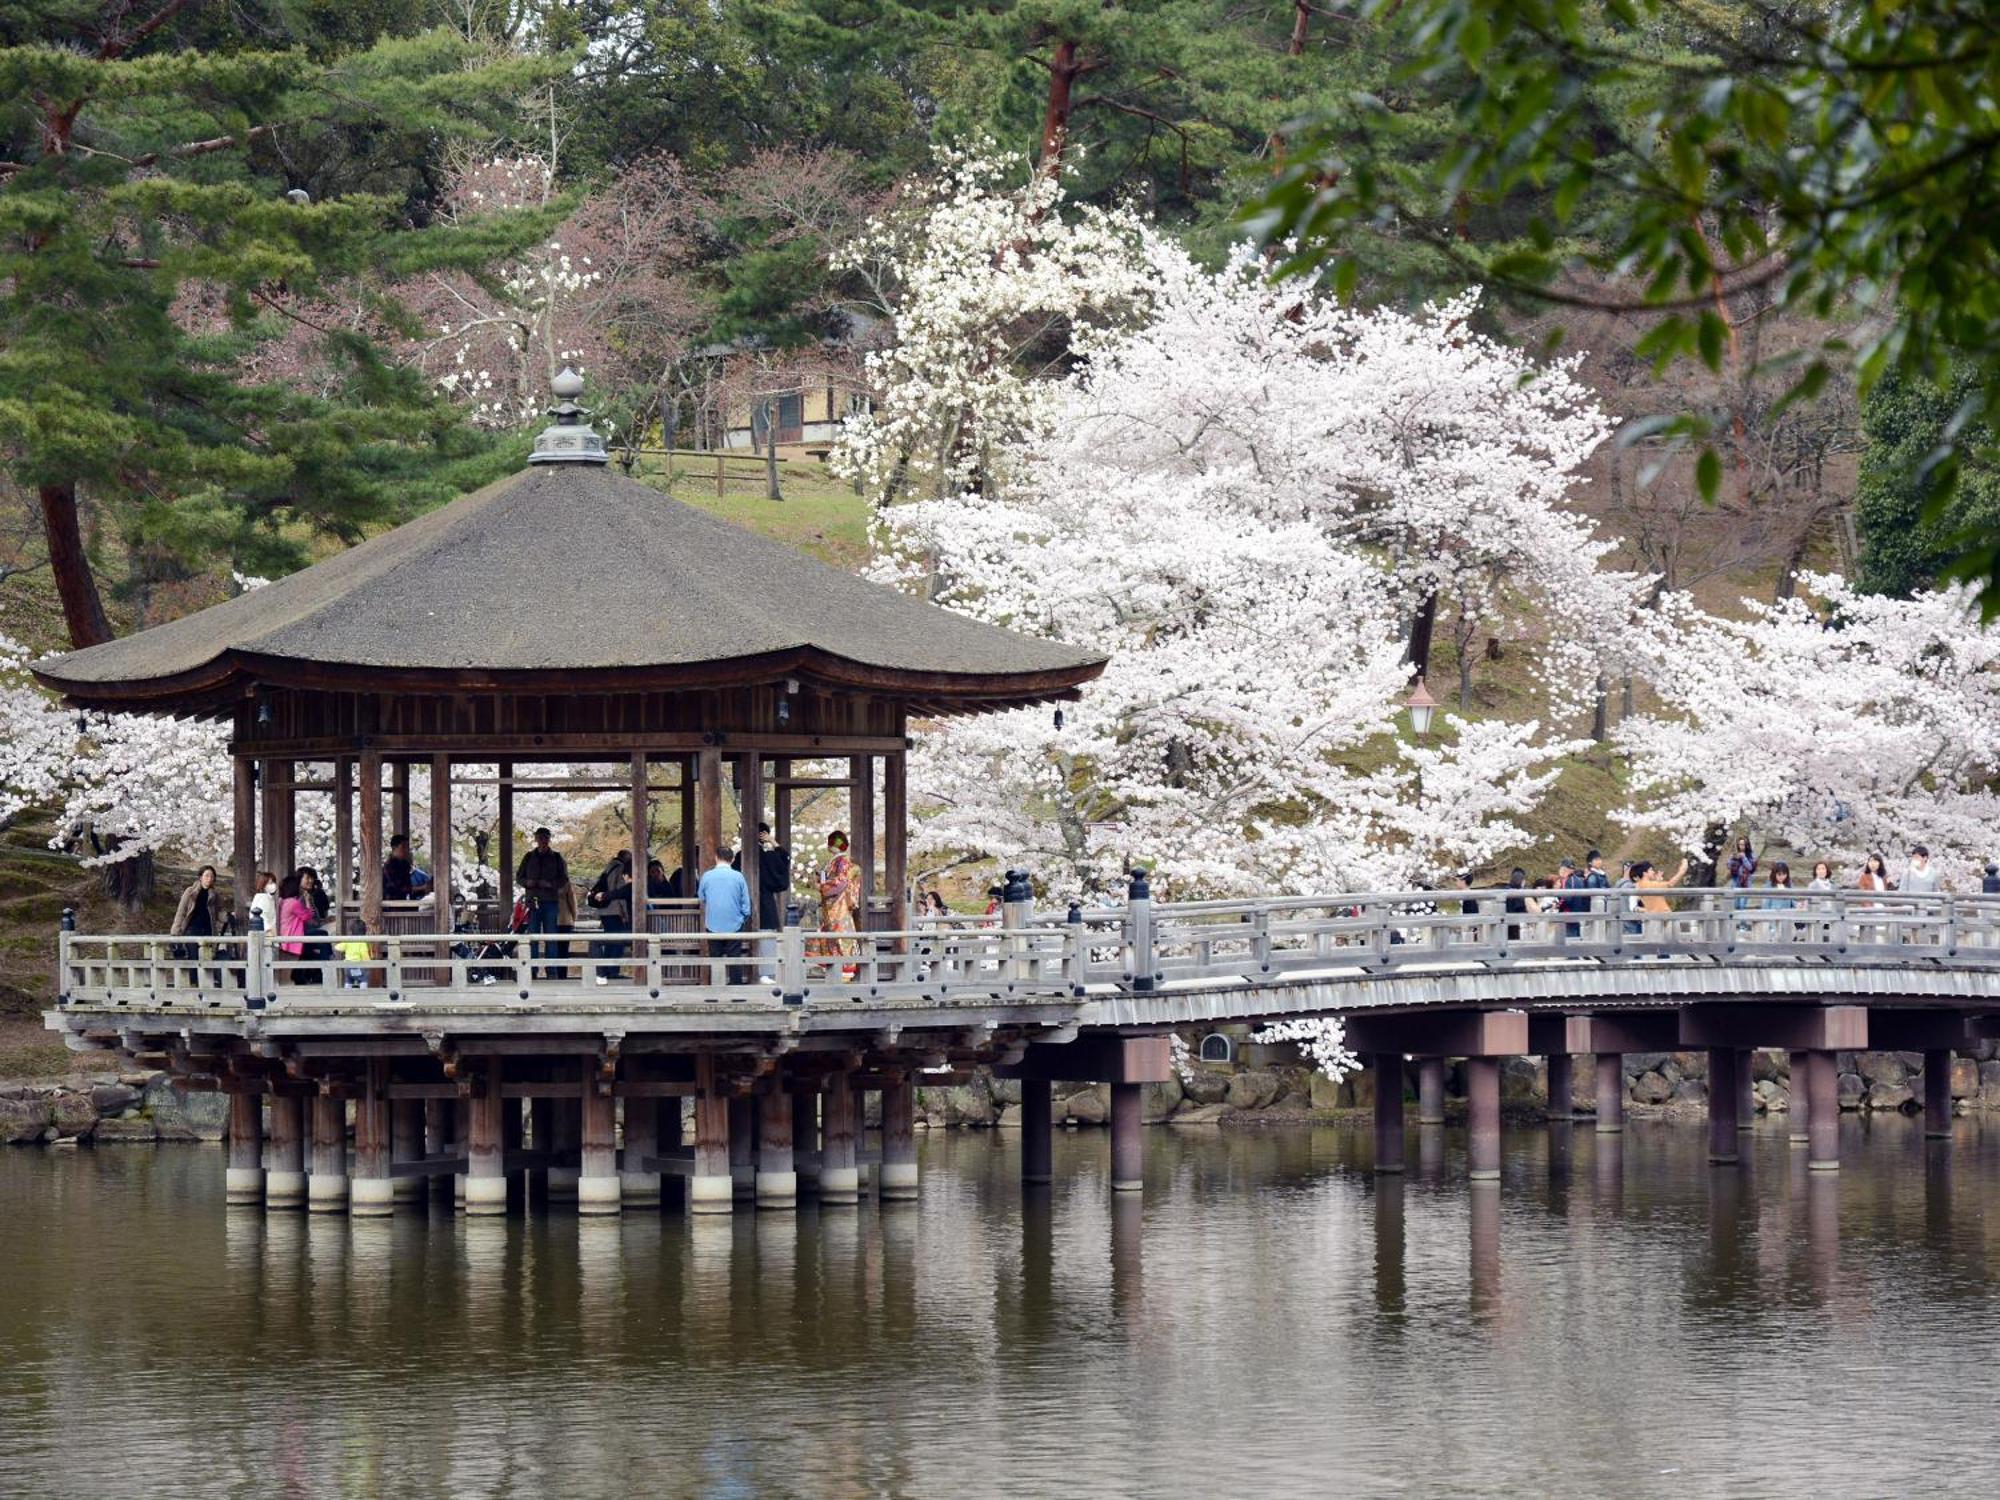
{"points": [[896, 839], [1037, 1130], [806, 1136], [243, 1179], [1799, 1105], [373, 1192], [839, 1176], [638, 1184], [371, 840], [690, 860], [1430, 1091], [899, 1138], [276, 776], [743, 1146], [597, 1179], [461, 1134], [485, 1145], [1746, 1089], [505, 838], [781, 805], [1610, 1093], [441, 840], [243, 850], [566, 1142], [1128, 1138], [1482, 1099], [708, 811], [777, 1181], [1823, 1119], [642, 854], [750, 766], [440, 1118], [343, 841], [513, 1139], [1722, 1100], [1388, 1070], [285, 1164], [710, 1190], [861, 829], [399, 799], [1562, 1086], [1937, 1093], [326, 1190], [406, 1144]]}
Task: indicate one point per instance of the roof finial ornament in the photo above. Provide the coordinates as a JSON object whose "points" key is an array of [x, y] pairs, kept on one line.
{"points": [[570, 439]]}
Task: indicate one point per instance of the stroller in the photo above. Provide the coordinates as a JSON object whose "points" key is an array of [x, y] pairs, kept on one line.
{"points": [[491, 950]]}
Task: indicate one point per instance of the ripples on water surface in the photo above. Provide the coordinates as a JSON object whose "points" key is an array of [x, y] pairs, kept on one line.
{"points": [[1271, 1319]]}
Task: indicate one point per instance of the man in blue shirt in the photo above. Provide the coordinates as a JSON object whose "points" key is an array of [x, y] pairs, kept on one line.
{"points": [[725, 907]]}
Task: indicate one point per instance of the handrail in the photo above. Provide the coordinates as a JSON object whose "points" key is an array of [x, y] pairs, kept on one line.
{"points": [[1141, 945]]}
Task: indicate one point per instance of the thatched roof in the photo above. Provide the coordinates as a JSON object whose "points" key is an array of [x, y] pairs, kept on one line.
{"points": [[568, 577]]}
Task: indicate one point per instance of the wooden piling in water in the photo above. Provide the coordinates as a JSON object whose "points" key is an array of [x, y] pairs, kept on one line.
{"points": [[243, 1179], [285, 1165], [899, 1139], [1037, 1130], [372, 1193], [711, 1190], [1388, 1070], [777, 1181], [485, 1149], [597, 1187], [1723, 1098], [839, 1174], [406, 1144], [1430, 1091], [1482, 1098], [326, 1189], [1610, 1093], [1128, 1138]]}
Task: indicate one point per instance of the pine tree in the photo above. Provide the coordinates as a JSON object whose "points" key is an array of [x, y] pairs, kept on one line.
{"points": [[171, 364]]}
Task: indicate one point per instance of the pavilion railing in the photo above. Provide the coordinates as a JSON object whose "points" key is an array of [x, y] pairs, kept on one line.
{"points": [[1020, 954]]}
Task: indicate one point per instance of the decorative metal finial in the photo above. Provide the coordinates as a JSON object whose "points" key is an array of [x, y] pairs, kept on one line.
{"points": [[570, 439]]}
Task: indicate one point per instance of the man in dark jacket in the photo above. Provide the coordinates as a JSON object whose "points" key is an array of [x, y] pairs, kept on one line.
{"points": [[774, 878], [542, 875]]}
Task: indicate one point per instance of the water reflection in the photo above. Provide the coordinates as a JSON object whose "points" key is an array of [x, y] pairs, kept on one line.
{"points": [[1616, 1309]]}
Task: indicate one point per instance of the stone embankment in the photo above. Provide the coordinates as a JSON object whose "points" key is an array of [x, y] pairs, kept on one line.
{"points": [[138, 1107]]}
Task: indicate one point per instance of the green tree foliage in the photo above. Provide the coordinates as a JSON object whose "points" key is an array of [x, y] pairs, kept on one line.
{"points": [[1908, 537], [1841, 153], [168, 359]]}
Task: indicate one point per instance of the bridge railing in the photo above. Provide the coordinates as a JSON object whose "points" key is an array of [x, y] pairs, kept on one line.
{"points": [[1142, 946]]}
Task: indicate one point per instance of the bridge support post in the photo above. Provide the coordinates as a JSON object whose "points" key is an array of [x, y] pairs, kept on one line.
{"points": [[406, 1143], [1562, 1087], [285, 1175], [777, 1179], [805, 1137], [742, 1139], [326, 1190], [597, 1190], [712, 1189], [1746, 1089], [566, 1142], [1937, 1093], [1610, 1093], [486, 1147], [373, 1191], [243, 1179], [1482, 1097], [1823, 1121], [542, 1128], [1128, 1137], [1723, 1097], [637, 1187], [1388, 1070], [839, 1173], [1037, 1130], [899, 1139], [513, 1140], [1801, 1102], [1430, 1091]]}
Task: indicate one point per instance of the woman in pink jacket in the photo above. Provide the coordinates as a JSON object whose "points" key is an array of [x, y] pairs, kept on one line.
{"points": [[294, 916]]}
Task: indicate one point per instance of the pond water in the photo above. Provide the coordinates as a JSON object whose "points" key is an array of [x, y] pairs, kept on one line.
{"points": [[1272, 1319]]}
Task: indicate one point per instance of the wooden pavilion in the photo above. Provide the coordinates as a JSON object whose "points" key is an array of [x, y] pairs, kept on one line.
{"points": [[568, 614]]}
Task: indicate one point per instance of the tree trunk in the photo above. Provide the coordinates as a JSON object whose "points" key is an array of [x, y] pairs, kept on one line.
{"points": [[1301, 23], [1421, 630], [1063, 73], [76, 586], [1600, 718], [771, 491]]}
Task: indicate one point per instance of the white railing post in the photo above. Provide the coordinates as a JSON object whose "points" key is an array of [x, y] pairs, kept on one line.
{"points": [[1139, 932], [392, 963], [1076, 950], [1948, 937], [1260, 938]]}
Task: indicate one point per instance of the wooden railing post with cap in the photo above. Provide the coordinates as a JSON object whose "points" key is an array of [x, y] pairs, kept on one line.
{"points": [[1139, 931], [62, 954], [1076, 950], [792, 958], [1017, 905]]}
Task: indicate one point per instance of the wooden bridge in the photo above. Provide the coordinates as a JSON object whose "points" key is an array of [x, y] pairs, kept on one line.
{"points": [[779, 1049]]}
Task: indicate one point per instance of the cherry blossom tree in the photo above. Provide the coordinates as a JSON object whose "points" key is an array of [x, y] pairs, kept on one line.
{"points": [[1862, 723], [1240, 492]]}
